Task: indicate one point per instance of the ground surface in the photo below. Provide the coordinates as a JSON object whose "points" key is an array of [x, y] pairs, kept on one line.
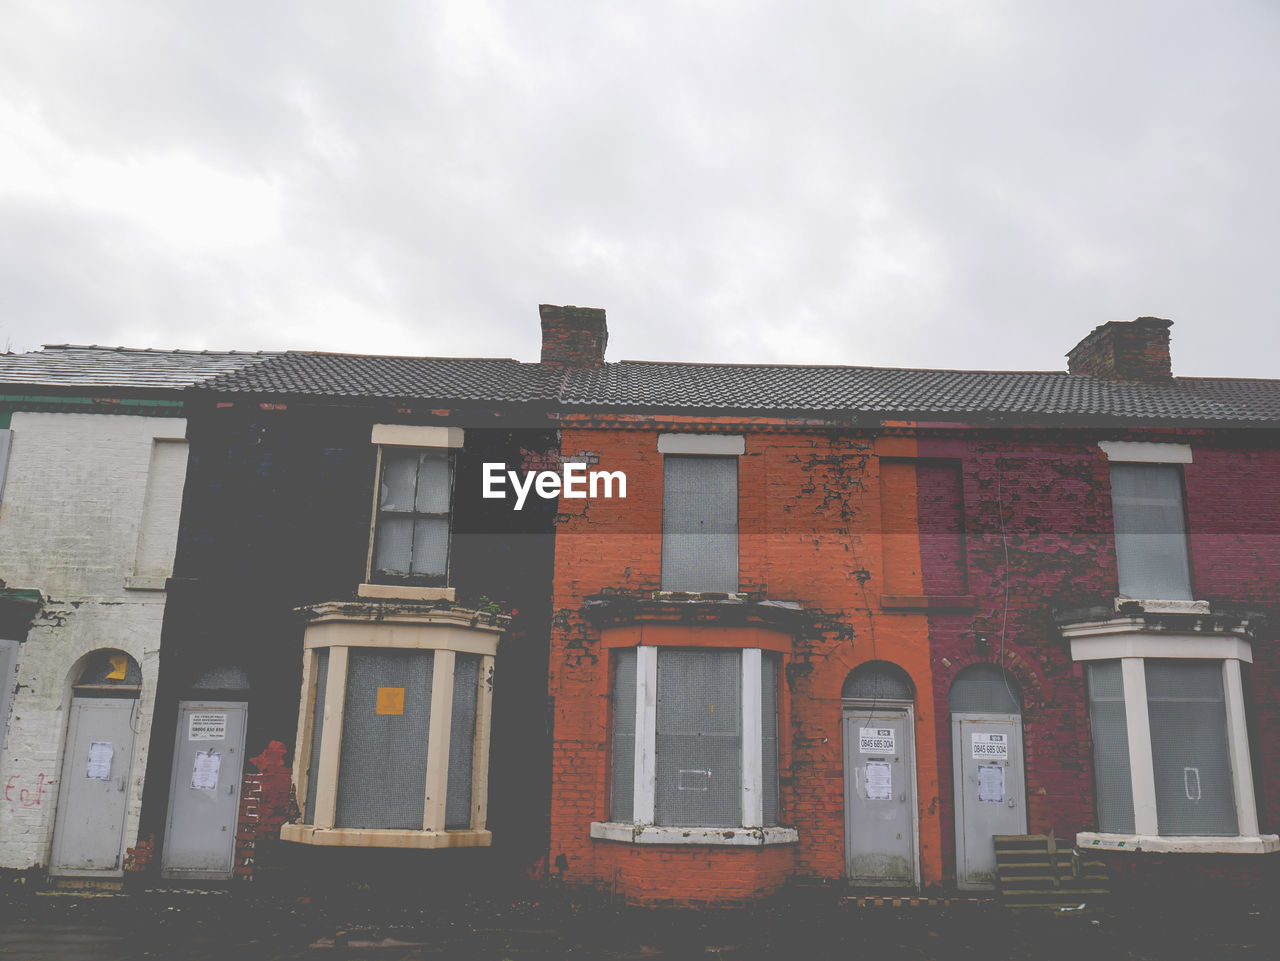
{"points": [[242, 924]]}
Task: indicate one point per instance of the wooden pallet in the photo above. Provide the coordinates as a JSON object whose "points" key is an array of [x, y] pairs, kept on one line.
{"points": [[1035, 873]]}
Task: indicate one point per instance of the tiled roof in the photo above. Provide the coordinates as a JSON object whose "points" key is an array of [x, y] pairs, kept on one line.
{"points": [[486, 380], [844, 392], [71, 367], [916, 393]]}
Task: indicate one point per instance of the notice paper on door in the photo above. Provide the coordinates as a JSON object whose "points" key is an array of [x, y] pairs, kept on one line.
{"points": [[207, 726], [204, 776], [991, 783], [99, 765], [879, 781]]}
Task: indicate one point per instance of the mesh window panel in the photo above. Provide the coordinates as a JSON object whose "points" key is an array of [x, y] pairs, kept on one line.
{"points": [[985, 689], [430, 545], [879, 680], [433, 483], [624, 735], [700, 524], [317, 732], [399, 476], [1188, 712], [769, 740], [462, 740], [699, 739], [1113, 782], [382, 781], [394, 544], [1151, 536]]}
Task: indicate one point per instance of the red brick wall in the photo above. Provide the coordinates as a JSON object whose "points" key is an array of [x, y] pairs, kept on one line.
{"points": [[817, 527], [809, 516]]}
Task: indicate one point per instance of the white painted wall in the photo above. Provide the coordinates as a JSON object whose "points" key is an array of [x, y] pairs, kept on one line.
{"points": [[72, 523]]}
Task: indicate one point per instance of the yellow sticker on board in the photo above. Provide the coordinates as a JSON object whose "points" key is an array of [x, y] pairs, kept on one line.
{"points": [[390, 700], [118, 663]]}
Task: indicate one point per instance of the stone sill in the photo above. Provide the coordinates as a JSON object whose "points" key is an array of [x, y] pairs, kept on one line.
{"points": [[139, 582], [1154, 606], [378, 838], [927, 602], [652, 834], [1155, 844], [400, 592]]}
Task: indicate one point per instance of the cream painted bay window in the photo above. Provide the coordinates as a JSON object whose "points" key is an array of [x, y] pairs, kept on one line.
{"points": [[394, 728]]}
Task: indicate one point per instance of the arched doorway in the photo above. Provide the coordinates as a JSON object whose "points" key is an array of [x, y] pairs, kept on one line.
{"points": [[987, 769], [881, 815], [208, 761], [97, 764]]}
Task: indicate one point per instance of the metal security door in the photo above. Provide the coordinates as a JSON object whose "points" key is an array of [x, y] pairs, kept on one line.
{"points": [[204, 795], [93, 793], [880, 796], [986, 761]]}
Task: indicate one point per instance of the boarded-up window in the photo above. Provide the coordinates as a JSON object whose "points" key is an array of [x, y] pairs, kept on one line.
{"points": [[1113, 783], [1188, 716], [769, 663], [700, 524], [462, 740], [1151, 535], [699, 738], [414, 494], [382, 772], [624, 735]]}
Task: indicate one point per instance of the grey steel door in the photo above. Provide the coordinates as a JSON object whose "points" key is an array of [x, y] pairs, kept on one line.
{"points": [[986, 764], [204, 795], [93, 793], [880, 796]]}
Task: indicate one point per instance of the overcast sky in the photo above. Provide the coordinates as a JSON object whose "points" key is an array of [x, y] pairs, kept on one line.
{"points": [[898, 183]]}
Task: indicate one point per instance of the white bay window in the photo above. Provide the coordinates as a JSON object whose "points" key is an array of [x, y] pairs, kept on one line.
{"points": [[695, 747]]}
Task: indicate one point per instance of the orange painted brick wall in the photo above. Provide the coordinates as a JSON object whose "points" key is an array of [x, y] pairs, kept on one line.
{"points": [[810, 523]]}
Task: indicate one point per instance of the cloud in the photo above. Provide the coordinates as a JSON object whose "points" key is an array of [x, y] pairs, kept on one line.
{"points": [[915, 184]]}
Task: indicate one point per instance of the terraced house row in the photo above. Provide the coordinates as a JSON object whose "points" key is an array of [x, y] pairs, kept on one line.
{"points": [[270, 612]]}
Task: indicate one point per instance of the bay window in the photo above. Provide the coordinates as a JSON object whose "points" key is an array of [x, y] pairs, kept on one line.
{"points": [[694, 746], [394, 727]]}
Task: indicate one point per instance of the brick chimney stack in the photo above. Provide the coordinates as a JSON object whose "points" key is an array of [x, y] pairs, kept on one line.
{"points": [[573, 336], [1124, 350]]}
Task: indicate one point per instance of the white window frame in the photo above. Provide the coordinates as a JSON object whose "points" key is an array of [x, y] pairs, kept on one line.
{"points": [[405, 435], [446, 634], [1142, 452], [1123, 640], [641, 829]]}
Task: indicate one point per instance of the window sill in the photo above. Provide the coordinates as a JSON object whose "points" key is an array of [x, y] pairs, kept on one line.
{"points": [[138, 582], [652, 834], [1243, 844], [399, 592], [927, 602], [377, 838], [1155, 606]]}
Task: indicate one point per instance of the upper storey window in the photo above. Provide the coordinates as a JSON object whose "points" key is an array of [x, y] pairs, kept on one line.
{"points": [[413, 505], [700, 512], [1150, 516]]}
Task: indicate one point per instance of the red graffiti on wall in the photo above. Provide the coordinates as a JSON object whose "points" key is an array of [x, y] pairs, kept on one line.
{"points": [[27, 797]]}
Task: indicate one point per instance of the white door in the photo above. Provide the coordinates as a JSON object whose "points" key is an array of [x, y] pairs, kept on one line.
{"points": [[880, 796], [986, 764], [93, 794], [204, 795]]}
